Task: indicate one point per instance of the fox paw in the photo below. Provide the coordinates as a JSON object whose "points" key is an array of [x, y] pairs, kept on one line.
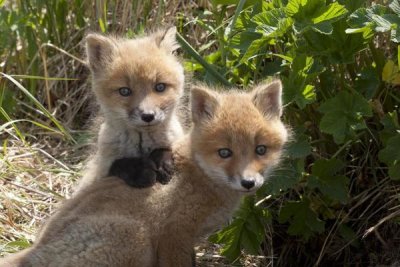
{"points": [[136, 172], [164, 162]]}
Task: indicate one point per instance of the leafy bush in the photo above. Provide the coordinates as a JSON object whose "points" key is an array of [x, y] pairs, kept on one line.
{"points": [[338, 61]]}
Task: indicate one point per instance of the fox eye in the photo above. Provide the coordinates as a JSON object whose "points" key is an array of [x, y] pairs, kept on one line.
{"points": [[125, 91], [224, 153], [160, 87], [261, 150]]}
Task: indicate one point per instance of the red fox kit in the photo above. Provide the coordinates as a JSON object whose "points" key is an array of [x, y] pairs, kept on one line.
{"points": [[137, 83], [236, 138]]}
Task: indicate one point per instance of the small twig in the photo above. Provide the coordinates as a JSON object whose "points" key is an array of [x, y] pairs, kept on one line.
{"points": [[263, 200], [373, 228], [27, 188]]}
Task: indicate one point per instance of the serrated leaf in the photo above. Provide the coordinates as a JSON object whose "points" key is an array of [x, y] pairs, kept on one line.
{"points": [[299, 148], [21, 244], [302, 219], [390, 73], [349, 235], [244, 39], [395, 6], [293, 7], [391, 156], [331, 13], [272, 23], [323, 177], [230, 237], [245, 232], [296, 85], [394, 171], [343, 115], [324, 27], [253, 49], [287, 176], [315, 15], [375, 18], [391, 126], [367, 82], [327, 167]]}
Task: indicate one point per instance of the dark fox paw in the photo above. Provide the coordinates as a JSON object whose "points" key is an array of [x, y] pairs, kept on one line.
{"points": [[136, 172], [164, 162]]}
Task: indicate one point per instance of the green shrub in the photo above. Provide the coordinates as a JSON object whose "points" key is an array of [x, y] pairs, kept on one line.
{"points": [[338, 61]]}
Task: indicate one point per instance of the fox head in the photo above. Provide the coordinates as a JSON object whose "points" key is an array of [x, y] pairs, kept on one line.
{"points": [[238, 137], [137, 82]]}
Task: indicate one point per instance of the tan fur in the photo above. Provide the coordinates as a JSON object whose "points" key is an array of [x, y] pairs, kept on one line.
{"points": [[138, 64], [111, 224]]}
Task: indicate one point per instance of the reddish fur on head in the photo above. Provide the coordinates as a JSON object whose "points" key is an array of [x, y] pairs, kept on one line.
{"points": [[138, 64], [239, 122]]}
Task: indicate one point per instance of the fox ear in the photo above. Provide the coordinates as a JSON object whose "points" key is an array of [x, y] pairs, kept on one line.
{"points": [[99, 51], [166, 39], [267, 97], [204, 104]]}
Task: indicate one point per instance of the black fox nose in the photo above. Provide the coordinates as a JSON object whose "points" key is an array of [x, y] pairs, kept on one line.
{"points": [[247, 183], [147, 117]]}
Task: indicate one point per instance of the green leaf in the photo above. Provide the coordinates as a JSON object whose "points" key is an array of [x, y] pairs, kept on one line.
{"points": [[349, 235], [323, 177], [293, 7], [272, 23], [230, 237], [315, 15], [331, 13], [376, 18], [299, 148], [391, 73], [287, 176], [323, 27], [245, 232], [391, 126], [21, 244], [302, 219], [343, 115], [338, 47], [244, 39], [297, 89], [395, 6], [391, 156], [253, 49], [367, 82]]}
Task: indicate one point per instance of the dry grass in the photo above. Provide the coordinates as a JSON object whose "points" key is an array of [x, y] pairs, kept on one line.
{"points": [[33, 179]]}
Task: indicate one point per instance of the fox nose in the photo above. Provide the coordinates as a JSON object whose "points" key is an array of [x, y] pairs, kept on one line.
{"points": [[147, 117], [247, 183]]}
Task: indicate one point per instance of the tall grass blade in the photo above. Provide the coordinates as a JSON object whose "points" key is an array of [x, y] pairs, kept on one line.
{"points": [[12, 123], [193, 53], [40, 106], [235, 16]]}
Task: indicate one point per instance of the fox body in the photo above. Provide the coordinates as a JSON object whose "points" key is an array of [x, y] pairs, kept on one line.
{"points": [[236, 138], [138, 84]]}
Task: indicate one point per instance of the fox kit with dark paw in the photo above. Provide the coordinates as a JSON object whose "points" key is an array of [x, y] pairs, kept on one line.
{"points": [[236, 139], [138, 84]]}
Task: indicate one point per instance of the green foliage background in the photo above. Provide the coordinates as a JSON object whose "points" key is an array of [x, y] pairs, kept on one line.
{"points": [[335, 198]]}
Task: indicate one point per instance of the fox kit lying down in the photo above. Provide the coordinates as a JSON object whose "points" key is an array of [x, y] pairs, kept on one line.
{"points": [[236, 138], [137, 83]]}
